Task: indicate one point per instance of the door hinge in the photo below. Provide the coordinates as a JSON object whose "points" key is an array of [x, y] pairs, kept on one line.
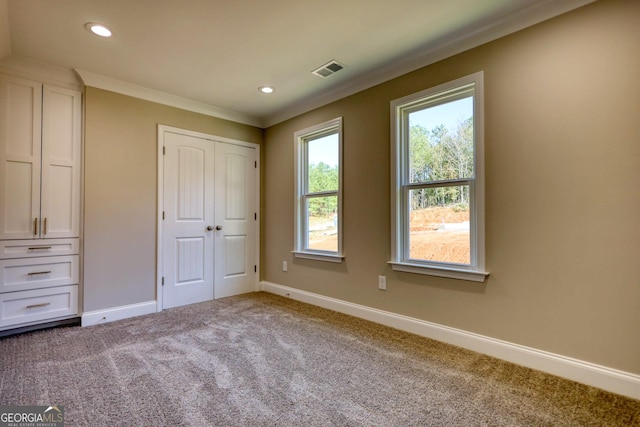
{"points": [[164, 150], [255, 268], [163, 281]]}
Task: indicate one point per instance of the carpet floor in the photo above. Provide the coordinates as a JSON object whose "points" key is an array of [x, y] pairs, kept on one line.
{"points": [[263, 360]]}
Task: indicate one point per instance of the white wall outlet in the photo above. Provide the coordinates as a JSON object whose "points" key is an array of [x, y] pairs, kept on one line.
{"points": [[382, 283], [284, 265]]}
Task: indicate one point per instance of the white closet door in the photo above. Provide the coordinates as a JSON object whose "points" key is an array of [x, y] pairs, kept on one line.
{"points": [[208, 243], [188, 225], [61, 142], [235, 218], [20, 156]]}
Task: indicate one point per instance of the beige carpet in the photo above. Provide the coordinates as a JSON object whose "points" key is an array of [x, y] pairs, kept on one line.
{"points": [[263, 360]]}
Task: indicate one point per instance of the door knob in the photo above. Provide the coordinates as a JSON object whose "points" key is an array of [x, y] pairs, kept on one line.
{"points": [[209, 227], [218, 227]]}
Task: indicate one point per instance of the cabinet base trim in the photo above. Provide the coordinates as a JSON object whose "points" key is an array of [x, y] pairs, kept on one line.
{"points": [[75, 321], [90, 318], [610, 379]]}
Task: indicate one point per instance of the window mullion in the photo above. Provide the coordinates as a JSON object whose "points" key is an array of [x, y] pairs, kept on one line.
{"points": [[437, 184], [322, 194]]}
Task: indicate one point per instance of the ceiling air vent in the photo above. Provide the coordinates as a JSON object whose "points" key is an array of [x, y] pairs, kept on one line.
{"points": [[328, 69]]}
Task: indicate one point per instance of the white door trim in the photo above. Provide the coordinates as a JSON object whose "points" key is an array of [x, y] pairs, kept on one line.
{"points": [[160, 198]]}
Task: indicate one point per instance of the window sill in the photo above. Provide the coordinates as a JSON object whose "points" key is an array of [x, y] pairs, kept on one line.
{"points": [[449, 272], [337, 258]]}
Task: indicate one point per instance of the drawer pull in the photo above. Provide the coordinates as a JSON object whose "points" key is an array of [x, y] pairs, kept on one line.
{"points": [[39, 272], [39, 248], [44, 304]]}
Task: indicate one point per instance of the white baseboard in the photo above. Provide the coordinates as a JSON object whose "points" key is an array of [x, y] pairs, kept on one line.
{"points": [[91, 318], [613, 380]]}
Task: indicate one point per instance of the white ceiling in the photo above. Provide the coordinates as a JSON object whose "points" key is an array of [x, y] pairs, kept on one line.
{"points": [[218, 52]]}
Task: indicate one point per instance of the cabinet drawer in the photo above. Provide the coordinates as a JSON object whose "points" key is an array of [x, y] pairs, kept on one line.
{"points": [[22, 274], [38, 248], [38, 305]]}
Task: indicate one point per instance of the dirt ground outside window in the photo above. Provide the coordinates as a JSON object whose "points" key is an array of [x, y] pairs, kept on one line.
{"points": [[437, 234]]}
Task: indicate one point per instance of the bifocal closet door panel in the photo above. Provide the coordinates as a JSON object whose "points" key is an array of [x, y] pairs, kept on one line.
{"points": [[235, 218], [20, 156], [188, 225], [61, 142]]}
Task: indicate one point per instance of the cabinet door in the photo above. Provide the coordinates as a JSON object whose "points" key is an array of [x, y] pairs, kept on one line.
{"points": [[61, 139], [20, 157]]}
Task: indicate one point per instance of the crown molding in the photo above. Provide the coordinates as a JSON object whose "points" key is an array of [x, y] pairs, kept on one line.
{"points": [[457, 43], [46, 73], [141, 92]]}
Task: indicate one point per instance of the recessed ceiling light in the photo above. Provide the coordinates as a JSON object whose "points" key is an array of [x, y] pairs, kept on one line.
{"points": [[98, 29], [266, 89]]}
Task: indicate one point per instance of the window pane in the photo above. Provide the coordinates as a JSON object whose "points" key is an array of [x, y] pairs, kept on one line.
{"points": [[322, 223], [322, 166], [439, 224], [441, 142]]}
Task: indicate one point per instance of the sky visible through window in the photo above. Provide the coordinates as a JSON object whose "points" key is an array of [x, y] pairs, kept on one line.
{"points": [[324, 150], [449, 114]]}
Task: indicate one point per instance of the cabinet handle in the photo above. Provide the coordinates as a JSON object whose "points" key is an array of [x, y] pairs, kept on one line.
{"points": [[39, 248], [38, 272], [44, 226], [44, 304], [35, 226]]}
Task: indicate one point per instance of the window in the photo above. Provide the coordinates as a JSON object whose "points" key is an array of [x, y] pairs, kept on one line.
{"points": [[438, 188], [318, 219]]}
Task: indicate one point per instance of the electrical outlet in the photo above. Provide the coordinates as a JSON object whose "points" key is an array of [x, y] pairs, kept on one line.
{"points": [[382, 283], [284, 266]]}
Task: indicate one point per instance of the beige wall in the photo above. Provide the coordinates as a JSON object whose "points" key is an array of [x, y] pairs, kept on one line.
{"points": [[120, 188], [562, 104]]}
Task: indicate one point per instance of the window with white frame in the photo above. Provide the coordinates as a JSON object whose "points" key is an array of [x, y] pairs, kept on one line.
{"points": [[318, 188], [438, 186]]}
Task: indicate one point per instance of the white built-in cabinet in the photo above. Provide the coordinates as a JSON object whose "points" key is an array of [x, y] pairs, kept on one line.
{"points": [[40, 158]]}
